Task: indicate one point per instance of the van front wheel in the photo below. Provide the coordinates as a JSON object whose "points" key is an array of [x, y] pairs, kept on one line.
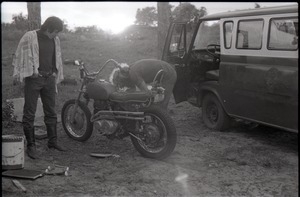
{"points": [[213, 114]]}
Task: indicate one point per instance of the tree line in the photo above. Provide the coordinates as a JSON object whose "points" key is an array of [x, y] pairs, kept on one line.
{"points": [[184, 12], [148, 16]]}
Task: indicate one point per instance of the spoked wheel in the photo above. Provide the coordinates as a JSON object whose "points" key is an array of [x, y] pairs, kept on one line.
{"points": [[213, 113], [80, 128], [157, 137]]}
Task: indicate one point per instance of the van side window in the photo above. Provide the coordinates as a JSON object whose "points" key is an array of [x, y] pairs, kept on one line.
{"points": [[228, 26], [283, 34], [250, 34], [177, 39]]}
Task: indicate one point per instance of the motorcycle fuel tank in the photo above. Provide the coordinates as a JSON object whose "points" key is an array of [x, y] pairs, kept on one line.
{"points": [[100, 90]]}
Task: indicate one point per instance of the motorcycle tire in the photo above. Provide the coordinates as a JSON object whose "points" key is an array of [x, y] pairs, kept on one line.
{"points": [[170, 131], [71, 127]]}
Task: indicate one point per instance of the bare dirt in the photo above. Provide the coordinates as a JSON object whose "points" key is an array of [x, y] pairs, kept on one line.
{"points": [[239, 162]]}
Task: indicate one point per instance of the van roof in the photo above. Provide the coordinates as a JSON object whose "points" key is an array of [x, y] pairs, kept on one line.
{"points": [[253, 12]]}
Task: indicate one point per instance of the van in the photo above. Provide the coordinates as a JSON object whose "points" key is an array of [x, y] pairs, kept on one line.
{"points": [[238, 65]]}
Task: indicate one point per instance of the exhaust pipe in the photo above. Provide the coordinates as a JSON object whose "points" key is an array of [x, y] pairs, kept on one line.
{"points": [[117, 115]]}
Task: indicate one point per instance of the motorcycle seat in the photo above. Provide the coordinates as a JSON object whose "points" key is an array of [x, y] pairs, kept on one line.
{"points": [[139, 97]]}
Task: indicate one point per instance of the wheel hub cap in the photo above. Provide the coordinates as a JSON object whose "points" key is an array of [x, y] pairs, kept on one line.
{"points": [[152, 133]]}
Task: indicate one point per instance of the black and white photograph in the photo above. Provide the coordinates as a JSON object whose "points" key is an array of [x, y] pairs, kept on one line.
{"points": [[149, 99]]}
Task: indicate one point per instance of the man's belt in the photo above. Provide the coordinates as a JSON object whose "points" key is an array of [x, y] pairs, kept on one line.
{"points": [[45, 74]]}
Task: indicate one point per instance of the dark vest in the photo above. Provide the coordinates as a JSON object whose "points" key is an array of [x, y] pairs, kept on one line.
{"points": [[46, 53]]}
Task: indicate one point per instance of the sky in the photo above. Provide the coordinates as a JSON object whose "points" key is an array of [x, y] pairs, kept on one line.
{"points": [[111, 16]]}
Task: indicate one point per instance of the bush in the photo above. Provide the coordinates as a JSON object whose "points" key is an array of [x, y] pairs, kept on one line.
{"points": [[8, 117]]}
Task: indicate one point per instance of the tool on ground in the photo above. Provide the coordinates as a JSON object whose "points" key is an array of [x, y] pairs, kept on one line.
{"points": [[104, 155], [19, 185], [57, 170]]}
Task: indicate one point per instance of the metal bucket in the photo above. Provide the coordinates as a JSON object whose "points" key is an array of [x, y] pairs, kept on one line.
{"points": [[12, 152]]}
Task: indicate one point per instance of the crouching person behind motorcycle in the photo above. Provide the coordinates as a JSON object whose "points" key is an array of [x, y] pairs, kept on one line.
{"points": [[117, 115], [143, 72]]}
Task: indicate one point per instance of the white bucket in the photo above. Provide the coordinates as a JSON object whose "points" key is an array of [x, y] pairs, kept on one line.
{"points": [[12, 152]]}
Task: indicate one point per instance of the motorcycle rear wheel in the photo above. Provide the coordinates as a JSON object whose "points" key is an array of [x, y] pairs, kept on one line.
{"points": [[158, 138], [81, 129]]}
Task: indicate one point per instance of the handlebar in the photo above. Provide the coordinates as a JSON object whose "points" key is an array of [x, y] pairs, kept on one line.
{"points": [[84, 72]]}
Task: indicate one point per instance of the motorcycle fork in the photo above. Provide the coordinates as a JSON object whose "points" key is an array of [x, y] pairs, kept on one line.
{"points": [[77, 101]]}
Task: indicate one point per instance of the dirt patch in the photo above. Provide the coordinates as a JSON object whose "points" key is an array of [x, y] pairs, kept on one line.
{"points": [[239, 162]]}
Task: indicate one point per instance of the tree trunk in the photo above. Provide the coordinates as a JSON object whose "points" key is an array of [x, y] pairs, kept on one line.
{"points": [[34, 15], [163, 25]]}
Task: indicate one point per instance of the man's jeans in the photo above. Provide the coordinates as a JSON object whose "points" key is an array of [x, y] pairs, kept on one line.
{"points": [[45, 88]]}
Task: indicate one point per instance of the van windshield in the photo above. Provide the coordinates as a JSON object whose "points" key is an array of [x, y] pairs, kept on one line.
{"points": [[208, 33]]}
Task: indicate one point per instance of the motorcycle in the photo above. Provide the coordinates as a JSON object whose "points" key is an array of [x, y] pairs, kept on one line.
{"points": [[117, 114]]}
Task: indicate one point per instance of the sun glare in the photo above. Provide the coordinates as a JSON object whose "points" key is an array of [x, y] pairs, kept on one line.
{"points": [[114, 24]]}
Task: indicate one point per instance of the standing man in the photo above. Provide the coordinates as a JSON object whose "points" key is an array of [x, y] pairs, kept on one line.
{"points": [[38, 62], [143, 72]]}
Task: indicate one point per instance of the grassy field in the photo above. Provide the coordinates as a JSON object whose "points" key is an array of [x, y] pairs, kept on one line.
{"points": [[94, 50]]}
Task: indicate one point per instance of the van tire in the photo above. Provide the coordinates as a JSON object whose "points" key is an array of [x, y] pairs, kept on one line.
{"points": [[213, 114]]}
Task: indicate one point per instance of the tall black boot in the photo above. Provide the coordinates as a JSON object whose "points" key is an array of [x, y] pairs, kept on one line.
{"points": [[31, 148], [52, 138]]}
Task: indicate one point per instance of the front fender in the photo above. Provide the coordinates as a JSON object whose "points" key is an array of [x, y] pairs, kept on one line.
{"points": [[210, 87]]}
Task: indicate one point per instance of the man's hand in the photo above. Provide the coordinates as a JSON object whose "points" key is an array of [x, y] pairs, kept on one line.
{"points": [[54, 74], [35, 75], [16, 81], [143, 87]]}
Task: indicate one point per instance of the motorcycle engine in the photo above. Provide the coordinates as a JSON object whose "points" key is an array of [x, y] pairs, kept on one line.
{"points": [[106, 127], [100, 105]]}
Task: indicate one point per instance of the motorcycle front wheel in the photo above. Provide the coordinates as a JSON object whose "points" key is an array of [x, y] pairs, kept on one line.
{"points": [[81, 128], [157, 138]]}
